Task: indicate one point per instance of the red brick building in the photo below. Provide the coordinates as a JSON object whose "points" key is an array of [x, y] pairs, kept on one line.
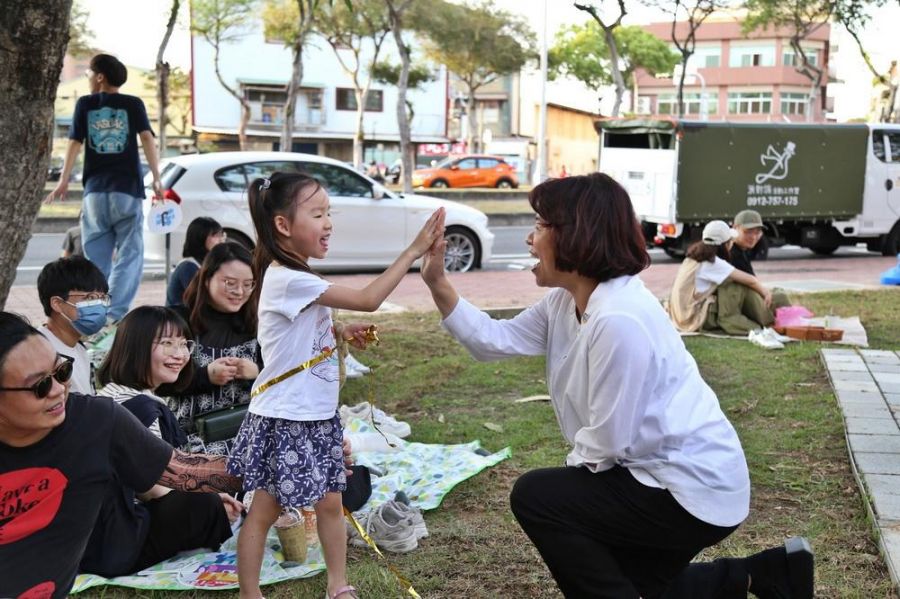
{"points": [[747, 77]]}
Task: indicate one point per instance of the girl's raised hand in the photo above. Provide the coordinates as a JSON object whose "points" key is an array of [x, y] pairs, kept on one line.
{"points": [[434, 227], [355, 334]]}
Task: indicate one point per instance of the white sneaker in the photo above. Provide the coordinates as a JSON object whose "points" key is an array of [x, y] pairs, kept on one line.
{"points": [[415, 517], [763, 340], [385, 422], [389, 528], [353, 364], [773, 334]]}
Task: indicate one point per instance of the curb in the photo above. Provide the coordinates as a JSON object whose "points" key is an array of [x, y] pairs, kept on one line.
{"points": [[56, 224]]}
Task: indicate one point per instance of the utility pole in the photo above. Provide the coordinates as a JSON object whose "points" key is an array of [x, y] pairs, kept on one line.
{"points": [[540, 172]]}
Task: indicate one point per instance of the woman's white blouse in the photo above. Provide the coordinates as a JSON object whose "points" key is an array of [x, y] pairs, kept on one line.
{"points": [[625, 391]]}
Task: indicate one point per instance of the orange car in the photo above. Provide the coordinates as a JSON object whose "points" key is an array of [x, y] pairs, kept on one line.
{"points": [[468, 171]]}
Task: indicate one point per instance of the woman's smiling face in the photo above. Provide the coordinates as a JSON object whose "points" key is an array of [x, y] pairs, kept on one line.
{"points": [[171, 352]]}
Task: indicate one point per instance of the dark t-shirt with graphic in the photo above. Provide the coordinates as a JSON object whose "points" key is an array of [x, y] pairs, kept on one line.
{"points": [[108, 126], [51, 492]]}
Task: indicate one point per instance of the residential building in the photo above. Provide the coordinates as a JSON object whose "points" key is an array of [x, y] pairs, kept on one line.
{"points": [[743, 76], [325, 118]]}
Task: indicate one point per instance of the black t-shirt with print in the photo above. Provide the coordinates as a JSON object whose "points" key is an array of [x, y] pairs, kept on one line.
{"points": [[52, 491], [108, 126]]}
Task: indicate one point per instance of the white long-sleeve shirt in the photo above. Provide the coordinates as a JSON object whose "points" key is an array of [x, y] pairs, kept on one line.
{"points": [[625, 391]]}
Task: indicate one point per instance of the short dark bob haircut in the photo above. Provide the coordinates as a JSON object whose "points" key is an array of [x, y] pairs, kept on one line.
{"points": [[64, 275], [129, 359], [196, 235], [111, 68], [196, 296], [595, 231]]}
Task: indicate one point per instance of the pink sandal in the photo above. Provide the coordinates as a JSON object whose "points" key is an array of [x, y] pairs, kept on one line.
{"points": [[342, 591]]}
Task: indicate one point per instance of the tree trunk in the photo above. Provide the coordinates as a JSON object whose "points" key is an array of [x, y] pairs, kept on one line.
{"points": [[684, 61], [34, 37], [162, 80], [402, 116], [473, 124], [290, 103], [616, 69], [359, 137], [245, 106], [242, 128]]}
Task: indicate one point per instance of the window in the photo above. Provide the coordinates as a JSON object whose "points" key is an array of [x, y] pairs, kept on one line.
{"points": [[706, 57], [750, 103], [490, 111], [668, 103], [266, 103], [346, 99], [792, 103], [488, 163], [239, 176], [337, 180], [789, 58], [467, 163], [889, 152], [752, 56]]}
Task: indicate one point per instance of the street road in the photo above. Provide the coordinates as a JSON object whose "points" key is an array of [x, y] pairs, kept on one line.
{"points": [[510, 253]]}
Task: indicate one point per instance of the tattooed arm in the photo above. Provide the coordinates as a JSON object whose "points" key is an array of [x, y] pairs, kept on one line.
{"points": [[198, 472]]}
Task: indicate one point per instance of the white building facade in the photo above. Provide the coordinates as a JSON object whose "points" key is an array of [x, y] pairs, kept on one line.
{"points": [[325, 115]]}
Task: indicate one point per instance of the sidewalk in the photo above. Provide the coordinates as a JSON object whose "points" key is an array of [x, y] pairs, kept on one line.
{"points": [[867, 386], [516, 288]]}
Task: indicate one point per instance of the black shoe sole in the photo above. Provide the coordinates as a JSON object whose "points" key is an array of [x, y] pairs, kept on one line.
{"points": [[801, 568]]}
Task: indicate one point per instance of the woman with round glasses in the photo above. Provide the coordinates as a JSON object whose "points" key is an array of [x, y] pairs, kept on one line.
{"points": [[152, 349], [227, 357], [66, 460]]}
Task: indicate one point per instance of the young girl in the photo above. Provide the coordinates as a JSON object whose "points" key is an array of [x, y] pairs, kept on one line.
{"points": [[289, 447]]}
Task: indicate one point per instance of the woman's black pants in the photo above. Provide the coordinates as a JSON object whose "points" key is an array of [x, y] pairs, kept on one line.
{"points": [[607, 535]]}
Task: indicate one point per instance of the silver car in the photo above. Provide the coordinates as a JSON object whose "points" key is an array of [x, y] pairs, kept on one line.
{"points": [[371, 224]]}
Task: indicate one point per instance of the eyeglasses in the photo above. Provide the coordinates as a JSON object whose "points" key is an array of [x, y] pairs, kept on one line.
{"points": [[62, 373], [79, 298], [172, 348], [235, 286]]}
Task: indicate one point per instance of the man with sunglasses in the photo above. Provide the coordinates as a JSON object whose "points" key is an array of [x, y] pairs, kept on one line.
{"points": [[60, 453], [73, 293]]}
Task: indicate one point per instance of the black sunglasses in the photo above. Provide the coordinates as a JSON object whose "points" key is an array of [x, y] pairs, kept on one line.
{"points": [[62, 373]]}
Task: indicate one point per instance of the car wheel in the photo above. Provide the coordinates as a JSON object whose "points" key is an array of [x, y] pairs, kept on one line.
{"points": [[237, 237], [440, 184], [463, 252], [824, 250], [504, 184], [891, 244]]}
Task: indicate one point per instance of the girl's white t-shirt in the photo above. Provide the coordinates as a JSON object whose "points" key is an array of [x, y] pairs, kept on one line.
{"points": [[293, 328]]}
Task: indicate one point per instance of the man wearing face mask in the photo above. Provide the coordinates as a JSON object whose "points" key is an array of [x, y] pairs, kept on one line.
{"points": [[74, 294]]}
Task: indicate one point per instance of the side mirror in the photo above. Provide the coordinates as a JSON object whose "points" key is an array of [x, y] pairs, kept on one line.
{"points": [[377, 191], [455, 167]]}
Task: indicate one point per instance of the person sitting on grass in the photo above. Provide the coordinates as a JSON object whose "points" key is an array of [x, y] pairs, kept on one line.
{"points": [[221, 309], [711, 294], [656, 472], [152, 348], [73, 293], [203, 233], [61, 454]]}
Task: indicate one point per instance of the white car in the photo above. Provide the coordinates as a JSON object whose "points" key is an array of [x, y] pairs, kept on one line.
{"points": [[371, 224]]}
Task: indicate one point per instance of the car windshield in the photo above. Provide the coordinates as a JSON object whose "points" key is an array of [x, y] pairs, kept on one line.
{"points": [[445, 163]]}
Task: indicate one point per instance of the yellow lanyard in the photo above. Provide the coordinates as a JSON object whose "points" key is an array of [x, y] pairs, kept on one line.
{"points": [[326, 353]]}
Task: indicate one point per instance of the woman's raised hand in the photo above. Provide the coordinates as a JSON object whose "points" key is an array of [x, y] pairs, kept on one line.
{"points": [[433, 261], [434, 227]]}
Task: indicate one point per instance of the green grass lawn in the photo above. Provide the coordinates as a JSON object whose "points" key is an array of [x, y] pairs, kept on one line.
{"points": [[780, 403]]}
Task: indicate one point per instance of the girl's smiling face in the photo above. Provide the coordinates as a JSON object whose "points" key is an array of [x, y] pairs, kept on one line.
{"points": [[307, 234], [171, 352]]}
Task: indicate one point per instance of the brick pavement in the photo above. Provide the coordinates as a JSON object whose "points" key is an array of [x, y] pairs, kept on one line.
{"points": [[516, 288]]}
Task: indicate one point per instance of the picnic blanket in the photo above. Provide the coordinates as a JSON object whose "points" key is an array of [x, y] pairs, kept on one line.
{"points": [[425, 472], [854, 331]]}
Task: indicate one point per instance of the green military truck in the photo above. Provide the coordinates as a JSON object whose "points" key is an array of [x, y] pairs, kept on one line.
{"points": [[817, 186]]}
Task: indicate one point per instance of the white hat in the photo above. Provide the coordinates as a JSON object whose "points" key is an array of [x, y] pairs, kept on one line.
{"points": [[718, 232]]}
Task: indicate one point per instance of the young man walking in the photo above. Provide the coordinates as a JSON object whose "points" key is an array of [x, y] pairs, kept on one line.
{"points": [[108, 124]]}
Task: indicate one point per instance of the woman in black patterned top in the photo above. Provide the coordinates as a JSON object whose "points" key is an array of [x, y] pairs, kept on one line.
{"points": [[226, 357]]}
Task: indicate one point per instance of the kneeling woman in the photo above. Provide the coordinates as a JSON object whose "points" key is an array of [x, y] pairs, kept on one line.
{"points": [[710, 294], [152, 347], [655, 473]]}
